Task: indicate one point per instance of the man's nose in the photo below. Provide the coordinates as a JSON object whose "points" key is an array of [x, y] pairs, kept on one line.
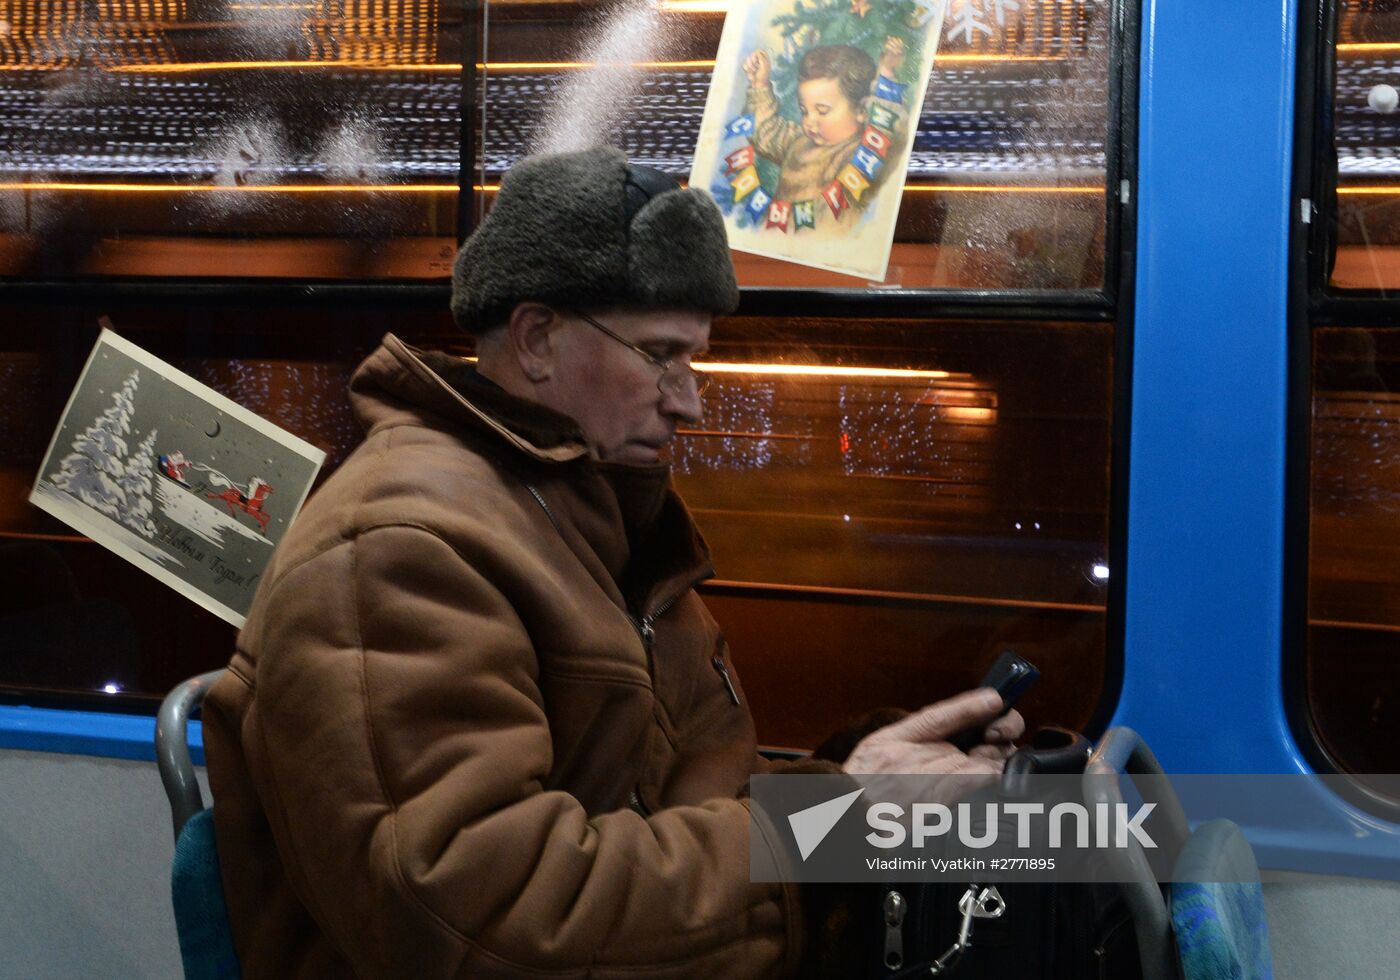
{"points": [[684, 403]]}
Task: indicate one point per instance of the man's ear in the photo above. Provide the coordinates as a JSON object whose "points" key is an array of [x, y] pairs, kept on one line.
{"points": [[530, 336]]}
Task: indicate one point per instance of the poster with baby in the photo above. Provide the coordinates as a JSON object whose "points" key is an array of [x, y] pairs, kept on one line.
{"points": [[809, 122]]}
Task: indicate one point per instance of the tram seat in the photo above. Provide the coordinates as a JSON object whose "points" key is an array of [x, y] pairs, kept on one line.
{"points": [[1217, 904], [1210, 924], [197, 891]]}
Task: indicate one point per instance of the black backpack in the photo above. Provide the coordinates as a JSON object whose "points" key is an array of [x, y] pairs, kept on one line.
{"points": [[1032, 930]]}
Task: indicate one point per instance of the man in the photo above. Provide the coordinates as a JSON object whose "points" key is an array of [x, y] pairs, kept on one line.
{"points": [[478, 723]]}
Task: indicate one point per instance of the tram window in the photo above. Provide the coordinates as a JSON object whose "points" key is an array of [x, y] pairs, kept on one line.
{"points": [[1354, 594], [922, 496], [1367, 145], [888, 503], [1351, 648], [1007, 176], [77, 619], [201, 138], [890, 500]]}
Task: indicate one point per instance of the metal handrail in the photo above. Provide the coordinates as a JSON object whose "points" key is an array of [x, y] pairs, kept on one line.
{"points": [[1122, 750], [173, 748]]}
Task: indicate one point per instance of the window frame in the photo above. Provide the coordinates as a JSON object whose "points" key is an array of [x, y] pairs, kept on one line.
{"points": [[1112, 303], [1314, 303]]}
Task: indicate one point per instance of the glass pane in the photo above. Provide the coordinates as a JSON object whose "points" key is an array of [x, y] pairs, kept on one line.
{"points": [[1354, 575], [1367, 135], [1006, 184], [74, 616], [888, 502], [251, 138], [889, 507]]}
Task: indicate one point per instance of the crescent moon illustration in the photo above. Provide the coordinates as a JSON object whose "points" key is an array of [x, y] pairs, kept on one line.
{"points": [[217, 430]]}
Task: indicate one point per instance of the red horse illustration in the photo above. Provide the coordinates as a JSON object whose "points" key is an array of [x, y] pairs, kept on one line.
{"points": [[251, 503]]}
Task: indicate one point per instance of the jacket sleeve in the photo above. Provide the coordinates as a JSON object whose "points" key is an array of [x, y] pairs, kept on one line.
{"points": [[402, 748]]}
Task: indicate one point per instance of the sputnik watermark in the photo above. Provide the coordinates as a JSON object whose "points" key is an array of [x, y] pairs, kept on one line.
{"points": [[1110, 826], [825, 828], [811, 824], [1100, 827]]}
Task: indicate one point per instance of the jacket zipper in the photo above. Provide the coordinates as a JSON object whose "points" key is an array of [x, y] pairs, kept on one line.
{"points": [[723, 670], [539, 499], [645, 630], [644, 626], [635, 804]]}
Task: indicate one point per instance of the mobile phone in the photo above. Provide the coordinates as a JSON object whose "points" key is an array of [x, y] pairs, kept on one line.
{"points": [[1011, 676]]}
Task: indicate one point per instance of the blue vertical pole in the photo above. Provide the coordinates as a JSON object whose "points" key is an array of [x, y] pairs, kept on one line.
{"points": [[1206, 488]]}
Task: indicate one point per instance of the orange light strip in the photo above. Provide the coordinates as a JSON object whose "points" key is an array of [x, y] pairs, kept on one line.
{"points": [[977, 59], [1380, 47], [797, 591], [694, 6], [809, 370], [491, 188], [244, 189], [814, 370], [197, 66], [1346, 625], [498, 66], [720, 434], [996, 189], [961, 58], [505, 67], [1377, 189], [509, 66], [943, 188], [26, 536]]}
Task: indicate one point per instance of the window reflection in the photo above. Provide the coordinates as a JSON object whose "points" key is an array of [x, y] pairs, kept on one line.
{"points": [[1007, 176], [883, 536], [312, 139], [880, 534], [76, 617], [1367, 137], [1354, 588]]}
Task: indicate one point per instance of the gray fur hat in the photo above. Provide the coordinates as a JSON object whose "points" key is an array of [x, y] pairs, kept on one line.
{"points": [[589, 229]]}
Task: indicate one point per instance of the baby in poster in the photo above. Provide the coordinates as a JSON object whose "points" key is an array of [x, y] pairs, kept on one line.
{"points": [[807, 129]]}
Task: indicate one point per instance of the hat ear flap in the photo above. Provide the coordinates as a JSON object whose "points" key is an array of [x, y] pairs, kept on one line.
{"points": [[678, 254]]}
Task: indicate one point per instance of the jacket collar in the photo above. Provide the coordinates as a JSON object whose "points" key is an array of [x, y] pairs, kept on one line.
{"points": [[439, 383], [663, 552]]}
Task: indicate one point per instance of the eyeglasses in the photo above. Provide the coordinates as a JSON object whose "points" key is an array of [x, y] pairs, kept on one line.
{"points": [[674, 375]]}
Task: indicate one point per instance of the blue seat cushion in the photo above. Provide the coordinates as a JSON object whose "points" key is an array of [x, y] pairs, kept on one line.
{"points": [[1218, 907], [201, 915]]}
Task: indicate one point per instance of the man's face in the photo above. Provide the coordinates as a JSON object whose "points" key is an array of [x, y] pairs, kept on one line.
{"points": [[611, 390]]}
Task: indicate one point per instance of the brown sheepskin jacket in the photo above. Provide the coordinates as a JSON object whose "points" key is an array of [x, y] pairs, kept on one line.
{"points": [[478, 723]]}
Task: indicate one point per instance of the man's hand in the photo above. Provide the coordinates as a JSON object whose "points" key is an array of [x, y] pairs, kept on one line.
{"points": [[758, 68], [918, 744]]}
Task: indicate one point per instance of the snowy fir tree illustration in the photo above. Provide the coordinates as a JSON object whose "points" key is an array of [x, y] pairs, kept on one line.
{"points": [[970, 17], [93, 471], [136, 488]]}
